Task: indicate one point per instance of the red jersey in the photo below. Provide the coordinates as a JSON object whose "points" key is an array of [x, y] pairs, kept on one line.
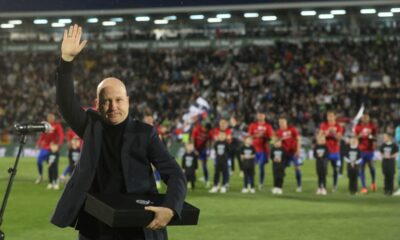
{"points": [[71, 134], [228, 133], [289, 137], [200, 136], [365, 133], [56, 135], [330, 131], [261, 132]]}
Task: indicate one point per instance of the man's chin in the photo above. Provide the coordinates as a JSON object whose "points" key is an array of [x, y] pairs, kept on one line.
{"points": [[115, 121]]}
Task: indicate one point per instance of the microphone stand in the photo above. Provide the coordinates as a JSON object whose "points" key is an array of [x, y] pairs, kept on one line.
{"points": [[12, 171]]}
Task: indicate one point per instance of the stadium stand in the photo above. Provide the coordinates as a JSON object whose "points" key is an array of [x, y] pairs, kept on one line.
{"points": [[303, 80]]}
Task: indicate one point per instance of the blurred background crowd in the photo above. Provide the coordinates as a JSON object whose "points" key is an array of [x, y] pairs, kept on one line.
{"points": [[301, 80]]}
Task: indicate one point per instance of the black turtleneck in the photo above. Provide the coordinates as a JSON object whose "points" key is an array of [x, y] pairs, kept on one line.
{"points": [[109, 177]]}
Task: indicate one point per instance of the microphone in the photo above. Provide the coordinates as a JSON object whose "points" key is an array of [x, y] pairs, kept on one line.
{"points": [[32, 128]]}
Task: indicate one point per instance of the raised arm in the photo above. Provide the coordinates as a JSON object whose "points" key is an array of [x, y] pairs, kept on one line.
{"points": [[69, 106]]}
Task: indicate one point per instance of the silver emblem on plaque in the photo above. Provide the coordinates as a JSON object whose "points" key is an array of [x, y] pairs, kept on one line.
{"points": [[144, 202]]}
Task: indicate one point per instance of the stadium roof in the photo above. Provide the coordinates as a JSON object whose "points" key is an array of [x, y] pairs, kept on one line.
{"points": [[28, 8]]}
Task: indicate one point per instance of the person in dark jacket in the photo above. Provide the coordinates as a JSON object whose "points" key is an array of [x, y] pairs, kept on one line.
{"points": [[189, 165], [353, 158], [389, 152], [116, 156]]}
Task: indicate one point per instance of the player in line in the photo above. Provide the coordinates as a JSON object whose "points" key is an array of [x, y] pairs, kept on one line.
{"points": [[74, 151], [366, 133], [389, 152], [261, 133], [332, 132], [320, 152], [278, 158], [201, 138], [247, 158], [221, 147], [223, 128], [54, 136], [189, 165], [291, 145], [353, 158]]}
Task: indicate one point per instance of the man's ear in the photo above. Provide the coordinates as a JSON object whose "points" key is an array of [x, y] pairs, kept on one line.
{"points": [[96, 104]]}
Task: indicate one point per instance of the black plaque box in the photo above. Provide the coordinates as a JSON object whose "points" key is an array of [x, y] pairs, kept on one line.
{"points": [[128, 210]]}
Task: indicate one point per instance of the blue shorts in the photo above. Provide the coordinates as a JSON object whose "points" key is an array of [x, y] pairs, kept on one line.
{"points": [[294, 159], [366, 157], [335, 158], [43, 155], [261, 158], [203, 154]]}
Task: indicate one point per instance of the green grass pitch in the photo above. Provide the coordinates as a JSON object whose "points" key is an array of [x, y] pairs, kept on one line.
{"points": [[230, 216]]}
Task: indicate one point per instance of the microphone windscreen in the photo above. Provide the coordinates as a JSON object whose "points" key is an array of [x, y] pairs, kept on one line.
{"points": [[47, 126]]}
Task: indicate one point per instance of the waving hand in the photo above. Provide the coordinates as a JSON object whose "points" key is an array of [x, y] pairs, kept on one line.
{"points": [[71, 45]]}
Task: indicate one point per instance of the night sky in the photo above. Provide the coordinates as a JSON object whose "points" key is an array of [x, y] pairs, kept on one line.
{"points": [[49, 5]]}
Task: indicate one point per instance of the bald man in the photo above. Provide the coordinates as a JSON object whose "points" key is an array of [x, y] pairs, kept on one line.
{"points": [[116, 156]]}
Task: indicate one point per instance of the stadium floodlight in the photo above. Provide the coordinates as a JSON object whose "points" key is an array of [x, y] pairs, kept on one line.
{"points": [[92, 20], [385, 14], [160, 21], [214, 20], [197, 17], [308, 13], [15, 22], [368, 11], [117, 19], [58, 24], [338, 12], [65, 20], [108, 23], [251, 15], [7, 25], [224, 15], [269, 18], [40, 21], [170, 18], [142, 19], [326, 16], [395, 10]]}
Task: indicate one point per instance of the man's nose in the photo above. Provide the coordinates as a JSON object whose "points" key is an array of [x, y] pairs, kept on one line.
{"points": [[113, 105]]}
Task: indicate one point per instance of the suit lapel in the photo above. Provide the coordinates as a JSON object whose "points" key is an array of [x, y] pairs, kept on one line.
{"points": [[98, 138], [129, 141]]}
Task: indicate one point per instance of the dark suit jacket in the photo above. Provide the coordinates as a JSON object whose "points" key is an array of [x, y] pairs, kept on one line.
{"points": [[141, 146]]}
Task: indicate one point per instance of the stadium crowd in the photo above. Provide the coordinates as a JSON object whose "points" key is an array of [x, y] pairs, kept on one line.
{"points": [[301, 80]]}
